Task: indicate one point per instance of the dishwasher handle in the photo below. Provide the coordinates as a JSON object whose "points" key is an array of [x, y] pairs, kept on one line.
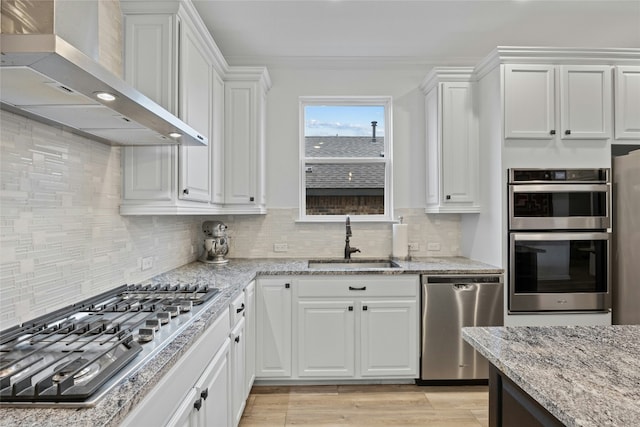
{"points": [[464, 286]]}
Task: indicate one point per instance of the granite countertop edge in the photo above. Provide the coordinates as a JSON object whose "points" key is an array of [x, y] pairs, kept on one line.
{"points": [[231, 279], [568, 369]]}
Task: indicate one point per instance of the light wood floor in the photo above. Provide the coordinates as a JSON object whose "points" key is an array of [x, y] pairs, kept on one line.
{"points": [[367, 405]]}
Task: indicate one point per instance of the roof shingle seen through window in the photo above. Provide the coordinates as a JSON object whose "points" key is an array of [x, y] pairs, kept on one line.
{"points": [[344, 146]]}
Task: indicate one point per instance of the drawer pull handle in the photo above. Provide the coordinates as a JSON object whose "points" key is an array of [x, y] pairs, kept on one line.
{"points": [[241, 309], [353, 288]]}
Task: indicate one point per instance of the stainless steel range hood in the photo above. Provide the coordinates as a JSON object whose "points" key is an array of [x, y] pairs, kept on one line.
{"points": [[44, 77]]}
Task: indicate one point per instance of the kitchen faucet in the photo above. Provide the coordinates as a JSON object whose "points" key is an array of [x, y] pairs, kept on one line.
{"points": [[348, 250]]}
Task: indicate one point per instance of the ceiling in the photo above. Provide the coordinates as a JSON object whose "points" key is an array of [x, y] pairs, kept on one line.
{"points": [[451, 32]]}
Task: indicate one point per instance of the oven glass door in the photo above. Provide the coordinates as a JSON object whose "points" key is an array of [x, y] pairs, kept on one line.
{"points": [[559, 206], [559, 271]]}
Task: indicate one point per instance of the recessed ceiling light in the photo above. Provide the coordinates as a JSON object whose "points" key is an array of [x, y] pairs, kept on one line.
{"points": [[105, 96], [175, 135]]}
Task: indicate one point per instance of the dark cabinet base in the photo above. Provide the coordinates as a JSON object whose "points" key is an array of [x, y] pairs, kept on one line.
{"points": [[510, 406]]}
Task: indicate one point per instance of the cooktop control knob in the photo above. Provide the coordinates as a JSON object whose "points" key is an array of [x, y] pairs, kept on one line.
{"points": [[163, 317], [185, 306], [173, 310], [146, 334], [153, 324]]}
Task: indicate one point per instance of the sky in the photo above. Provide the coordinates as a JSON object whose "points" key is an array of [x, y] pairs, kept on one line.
{"points": [[326, 120]]}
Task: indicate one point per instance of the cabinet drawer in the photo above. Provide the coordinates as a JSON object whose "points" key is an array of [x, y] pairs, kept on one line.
{"points": [[358, 286], [236, 309]]}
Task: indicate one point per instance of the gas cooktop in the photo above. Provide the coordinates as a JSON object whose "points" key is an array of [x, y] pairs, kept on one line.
{"points": [[74, 356]]}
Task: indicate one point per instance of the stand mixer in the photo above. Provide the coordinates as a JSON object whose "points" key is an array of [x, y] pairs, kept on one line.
{"points": [[216, 242]]}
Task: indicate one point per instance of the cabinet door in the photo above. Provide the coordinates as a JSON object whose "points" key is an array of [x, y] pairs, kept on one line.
{"points": [[238, 396], [585, 102], [195, 103], [186, 415], [273, 328], [627, 96], [433, 147], [150, 66], [326, 338], [214, 390], [216, 141], [240, 143], [148, 172], [389, 338], [529, 107], [459, 151], [250, 333]]}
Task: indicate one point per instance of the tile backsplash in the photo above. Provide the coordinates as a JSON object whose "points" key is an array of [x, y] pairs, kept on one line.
{"points": [[63, 240]]}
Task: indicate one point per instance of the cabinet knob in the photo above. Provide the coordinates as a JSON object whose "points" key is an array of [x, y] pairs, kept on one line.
{"points": [[287, 285], [239, 310], [552, 132], [448, 197], [185, 191], [251, 199], [204, 394], [237, 339], [567, 132], [365, 308], [197, 404], [350, 308]]}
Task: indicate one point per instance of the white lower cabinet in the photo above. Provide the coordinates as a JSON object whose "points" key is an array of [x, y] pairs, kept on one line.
{"points": [[357, 326], [388, 331], [238, 395], [208, 403], [250, 334], [326, 338], [273, 327], [197, 390]]}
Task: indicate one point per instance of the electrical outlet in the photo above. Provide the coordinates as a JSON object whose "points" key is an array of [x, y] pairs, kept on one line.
{"points": [[280, 247], [147, 263], [435, 246], [415, 246]]}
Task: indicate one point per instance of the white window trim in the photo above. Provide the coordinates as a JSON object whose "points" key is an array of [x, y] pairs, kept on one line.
{"points": [[388, 158]]}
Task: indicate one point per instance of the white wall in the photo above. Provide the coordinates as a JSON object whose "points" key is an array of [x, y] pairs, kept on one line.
{"points": [[408, 124], [254, 236]]}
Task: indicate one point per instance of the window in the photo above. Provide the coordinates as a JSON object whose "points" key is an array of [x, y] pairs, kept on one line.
{"points": [[345, 158]]}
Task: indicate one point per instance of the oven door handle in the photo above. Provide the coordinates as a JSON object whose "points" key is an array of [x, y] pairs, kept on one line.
{"points": [[557, 188]]}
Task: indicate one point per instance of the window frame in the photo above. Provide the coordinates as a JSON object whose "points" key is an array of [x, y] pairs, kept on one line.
{"points": [[387, 103]]}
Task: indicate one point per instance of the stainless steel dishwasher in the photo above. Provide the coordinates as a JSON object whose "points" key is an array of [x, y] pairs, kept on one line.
{"points": [[450, 302]]}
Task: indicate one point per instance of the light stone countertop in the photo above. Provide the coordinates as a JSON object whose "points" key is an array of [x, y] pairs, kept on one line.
{"points": [[231, 279], [586, 376]]}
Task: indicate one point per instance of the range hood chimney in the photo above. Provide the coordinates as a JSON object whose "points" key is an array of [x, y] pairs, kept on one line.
{"points": [[44, 77]]}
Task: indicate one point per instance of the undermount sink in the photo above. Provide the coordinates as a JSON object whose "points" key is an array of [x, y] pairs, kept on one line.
{"points": [[352, 263]]}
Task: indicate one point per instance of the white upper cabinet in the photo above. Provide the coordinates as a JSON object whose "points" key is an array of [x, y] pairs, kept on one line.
{"points": [[585, 97], [244, 142], [532, 92], [195, 109], [171, 58], [166, 58], [627, 103], [529, 106], [452, 142]]}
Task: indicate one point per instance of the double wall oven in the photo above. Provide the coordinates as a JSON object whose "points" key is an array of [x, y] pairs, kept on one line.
{"points": [[559, 240]]}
